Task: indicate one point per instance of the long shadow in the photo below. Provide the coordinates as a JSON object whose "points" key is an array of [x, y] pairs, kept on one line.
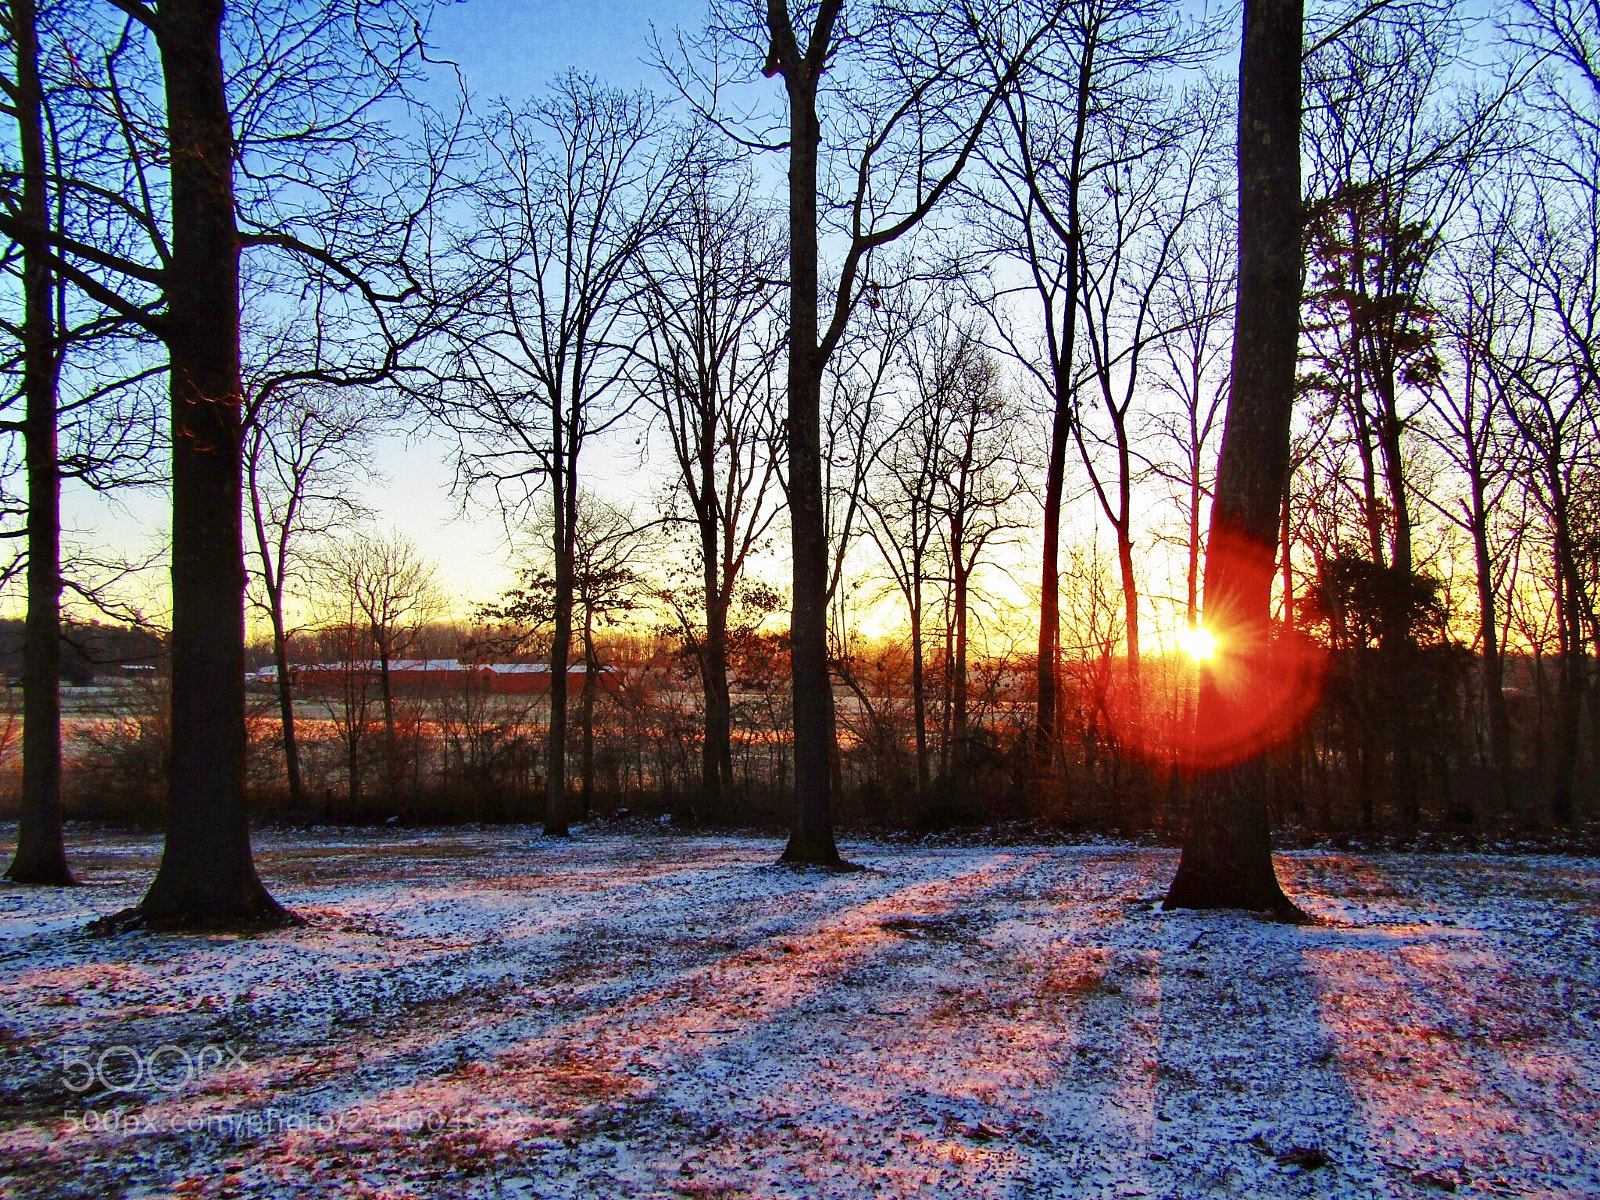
{"points": [[999, 1024], [454, 1034], [1464, 1036]]}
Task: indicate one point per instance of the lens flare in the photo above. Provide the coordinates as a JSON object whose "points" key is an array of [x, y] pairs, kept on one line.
{"points": [[1244, 684], [1198, 642]]}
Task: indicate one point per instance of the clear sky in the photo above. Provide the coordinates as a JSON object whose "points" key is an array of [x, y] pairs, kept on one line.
{"points": [[503, 47], [513, 48]]}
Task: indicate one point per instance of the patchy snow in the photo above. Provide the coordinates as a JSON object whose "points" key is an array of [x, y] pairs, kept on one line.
{"points": [[484, 1013]]}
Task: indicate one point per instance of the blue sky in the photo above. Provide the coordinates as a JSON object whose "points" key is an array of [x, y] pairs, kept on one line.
{"points": [[503, 47], [513, 47]]}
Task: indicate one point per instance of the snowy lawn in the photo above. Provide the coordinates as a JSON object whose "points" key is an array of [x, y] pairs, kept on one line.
{"points": [[483, 1013]]}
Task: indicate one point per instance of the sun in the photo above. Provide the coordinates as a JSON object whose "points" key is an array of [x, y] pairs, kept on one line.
{"points": [[1198, 642]]}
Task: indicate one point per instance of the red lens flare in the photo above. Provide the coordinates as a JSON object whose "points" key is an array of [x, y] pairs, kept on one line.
{"points": [[1243, 686]]}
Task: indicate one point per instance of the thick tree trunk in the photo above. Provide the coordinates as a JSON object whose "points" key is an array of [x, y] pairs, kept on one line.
{"points": [[41, 855], [207, 877], [1227, 853], [811, 837]]}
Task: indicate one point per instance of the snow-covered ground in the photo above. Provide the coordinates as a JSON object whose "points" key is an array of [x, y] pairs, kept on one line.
{"points": [[484, 1013]]}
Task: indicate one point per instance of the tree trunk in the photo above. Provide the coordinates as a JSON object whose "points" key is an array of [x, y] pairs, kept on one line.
{"points": [[391, 740], [1047, 714], [1369, 468], [355, 711], [1494, 695], [1192, 575], [1286, 562], [919, 698], [717, 753], [591, 667], [811, 838], [566, 523], [1049, 661], [958, 687], [207, 877], [1569, 700], [716, 750], [41, 855], [1130, 610], [1227, 852], [291, 742], [1389, 439]]}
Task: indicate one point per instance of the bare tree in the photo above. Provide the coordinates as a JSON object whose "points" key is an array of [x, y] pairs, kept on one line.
{"points": [[301, 455], [978, 494], [271, 102], [100, 432], [392, 593], [916, 89], [903, 517], [571, 190], [1482, 319], [1196, 300], [608, 583], [708, 364], [945, 475], [1552, 402], [41, 853], [207, 875], [1136, 234], [1396, 144], [1096, 73], [1555, 400]]}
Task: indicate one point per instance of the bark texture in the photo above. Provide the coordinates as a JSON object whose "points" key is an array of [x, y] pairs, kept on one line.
{"points": [[207, 877], [1227, 854]]}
